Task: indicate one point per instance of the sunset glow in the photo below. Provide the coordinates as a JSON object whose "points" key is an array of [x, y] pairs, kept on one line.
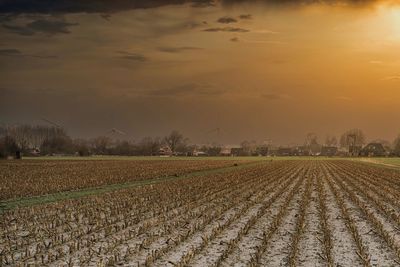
{"points": [[269, 70]]}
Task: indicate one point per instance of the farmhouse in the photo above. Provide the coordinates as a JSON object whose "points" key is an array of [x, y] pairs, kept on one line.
{"points": [[165, 151], [373, 150], [301, 151], [225, 151], [199, 153]]}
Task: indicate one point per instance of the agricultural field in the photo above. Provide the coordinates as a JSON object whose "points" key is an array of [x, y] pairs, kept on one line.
{"points": [[279, 213], [39, 177]]}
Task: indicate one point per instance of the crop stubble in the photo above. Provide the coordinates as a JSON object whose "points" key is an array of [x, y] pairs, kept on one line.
{"points": [[289, 213]]}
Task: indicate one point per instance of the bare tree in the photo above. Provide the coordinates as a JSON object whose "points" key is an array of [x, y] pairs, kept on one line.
{"points": [[311, 142], [28, 136], [248, 147], [149, 146], [353, 137], [101, 144], [8, 146], [331, 140], [174, 140], [311, 139]]}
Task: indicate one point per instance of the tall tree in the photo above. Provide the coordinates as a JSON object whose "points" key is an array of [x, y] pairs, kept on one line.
{"points": [[311, 142], [311, 139], [353, 137]]}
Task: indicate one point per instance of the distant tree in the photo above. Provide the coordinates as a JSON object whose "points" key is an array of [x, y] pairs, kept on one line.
{"points": [[331, 140], [311, 143], [82, 147], [8, 146], [396, 146], [57, 145], [248, 147], [311, 139], [353, 137], [148, 146], [213, 150], [175, 140], [101, 145], [123, 148], [32, 136]]}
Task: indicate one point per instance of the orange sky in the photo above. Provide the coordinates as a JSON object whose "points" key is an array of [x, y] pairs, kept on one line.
{"points": [[263, 71]]}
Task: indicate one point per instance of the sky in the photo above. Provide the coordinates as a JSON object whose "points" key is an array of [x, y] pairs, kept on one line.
{"points": [[255, 70]]}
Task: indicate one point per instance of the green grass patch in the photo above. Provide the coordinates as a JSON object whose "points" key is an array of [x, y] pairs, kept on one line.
{"points": [[393, 163]]}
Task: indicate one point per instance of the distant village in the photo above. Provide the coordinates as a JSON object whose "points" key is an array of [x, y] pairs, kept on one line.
{"points": [[369, 150], [38, 140]]}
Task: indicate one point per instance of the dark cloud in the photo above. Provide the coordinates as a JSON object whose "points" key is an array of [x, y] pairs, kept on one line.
{"points": [[225, 29], [226, 20], [48, 27], [107, 6], [87, 6], [304, 2], [202, 3], [132, 56], [21, 30], [168, 49], [246, 16], [12, 52]]}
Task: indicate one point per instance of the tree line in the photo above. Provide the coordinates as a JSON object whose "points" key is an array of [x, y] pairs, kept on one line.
{"points": [[51, 140]]}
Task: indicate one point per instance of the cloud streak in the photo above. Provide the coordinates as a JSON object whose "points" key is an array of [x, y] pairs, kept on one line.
{"points": [[132, 56], [12, 52], [47, 27], [226, 20], [225, 29], [245, 16], [168, 49], [392, 78]]}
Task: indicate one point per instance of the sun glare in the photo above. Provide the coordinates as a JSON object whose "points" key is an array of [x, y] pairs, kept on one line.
{"points": [[393, 21]]}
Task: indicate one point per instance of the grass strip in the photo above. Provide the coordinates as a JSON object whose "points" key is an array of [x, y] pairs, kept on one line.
{"points": [[37, 200]]}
